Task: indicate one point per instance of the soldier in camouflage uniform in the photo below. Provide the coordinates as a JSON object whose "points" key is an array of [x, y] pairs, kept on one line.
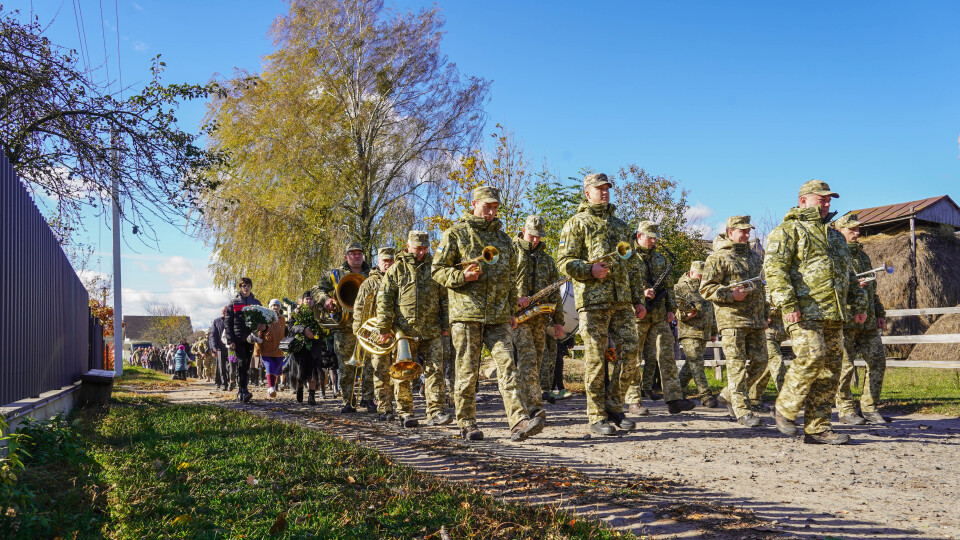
{"points": [[608, 298], [344, 341], [548, 363], [776, 368], [811, 280], [863, 338], [482, 298], [741, 314], [535, 270], [695, 326], [384, 388], [412, 302], [655, 338]]}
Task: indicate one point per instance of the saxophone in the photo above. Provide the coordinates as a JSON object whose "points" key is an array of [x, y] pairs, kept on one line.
{"points": [[532, 309]]}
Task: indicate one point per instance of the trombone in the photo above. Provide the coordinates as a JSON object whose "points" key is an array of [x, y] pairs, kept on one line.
{"points": [[871, 275], [748, 284], [489, 255], [623, 251]]}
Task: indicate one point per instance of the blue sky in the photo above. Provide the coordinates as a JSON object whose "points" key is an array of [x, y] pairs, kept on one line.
{"points": [[741, 102]]}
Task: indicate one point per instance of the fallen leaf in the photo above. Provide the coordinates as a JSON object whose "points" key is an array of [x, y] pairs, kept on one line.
{"points": [[280, 524], [252, 480], [183, 466], [350, 480], [181, 519], [465, 505]]}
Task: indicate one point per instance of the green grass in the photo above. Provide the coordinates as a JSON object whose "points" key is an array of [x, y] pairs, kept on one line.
{"points": [[145, 469], [142, 378]]}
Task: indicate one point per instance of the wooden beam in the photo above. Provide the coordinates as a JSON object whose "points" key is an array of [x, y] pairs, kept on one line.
{"points": [[922, 311]]}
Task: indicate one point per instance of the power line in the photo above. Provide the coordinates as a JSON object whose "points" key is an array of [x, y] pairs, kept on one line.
{"points": [[83, 26], [116, 17], [76, 19], [103, 38]]}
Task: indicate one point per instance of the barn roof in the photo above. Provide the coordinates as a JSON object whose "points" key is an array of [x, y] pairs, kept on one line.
{"points": [[940, 209]]}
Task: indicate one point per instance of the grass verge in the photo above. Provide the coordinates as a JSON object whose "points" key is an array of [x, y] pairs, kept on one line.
{"points": [[145, 378], [145, 469]]}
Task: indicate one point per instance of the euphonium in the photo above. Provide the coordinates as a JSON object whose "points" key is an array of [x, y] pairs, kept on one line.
{"points": [[404, 368], [871, 275], [345, 289], [489, 255]]}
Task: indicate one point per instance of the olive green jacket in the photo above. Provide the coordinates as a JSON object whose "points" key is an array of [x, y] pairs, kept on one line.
{"points": [[492, 299], [366, 305], [536, 270], [592, 232], [875, 310], [702, 325], [728, 264], [809, 269], [411, 301], [325, 289], [652, 265]]}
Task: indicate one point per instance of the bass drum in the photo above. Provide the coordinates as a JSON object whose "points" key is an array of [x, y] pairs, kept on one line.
{"points": [[571, 319]]}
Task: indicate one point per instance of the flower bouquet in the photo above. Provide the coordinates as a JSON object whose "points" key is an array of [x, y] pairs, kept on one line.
{"points": [[303, 316], [254, 316]]}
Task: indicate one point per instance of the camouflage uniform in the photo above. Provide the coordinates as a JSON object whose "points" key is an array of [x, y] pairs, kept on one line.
{"points": [[863, 338], [776, 368], [548, 362], [742, 323], [694, 331], [384, 387], [606, 305], [655, 337], [480, 313], [535, 270], [412, 302], [344, 341], [809, 269]]}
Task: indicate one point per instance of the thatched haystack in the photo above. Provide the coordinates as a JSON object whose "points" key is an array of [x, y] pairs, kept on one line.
{"points": [[947, 324], [937, 282]]}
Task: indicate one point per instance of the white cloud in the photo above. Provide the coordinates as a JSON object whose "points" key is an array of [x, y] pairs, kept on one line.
{"points": [[137, 6], [140, 46], [182, 281], [698, 219]]}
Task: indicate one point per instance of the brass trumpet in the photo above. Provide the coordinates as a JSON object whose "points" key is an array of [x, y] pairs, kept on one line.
{"points": [[624, 251], [748, 284], [489, 255], [871, 275]]}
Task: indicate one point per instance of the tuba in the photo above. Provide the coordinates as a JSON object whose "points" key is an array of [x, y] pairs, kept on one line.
{"points": [[345, 290]]}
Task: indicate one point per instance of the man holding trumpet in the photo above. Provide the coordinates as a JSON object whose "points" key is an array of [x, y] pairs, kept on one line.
{"points": [[607, 286], [412, 302], [476, 263], [862, 338]]}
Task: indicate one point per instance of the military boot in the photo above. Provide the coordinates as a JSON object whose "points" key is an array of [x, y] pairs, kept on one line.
{"points": [[409, 422], [638, 409], [750, 420], [709, 401], [620, 420], [875, 418], [311, 396], [519, 432], [300, 393], [602, 428], [472, 433], [852, 419], [441, 419], [677, 406], [535, 425], [784, 424], [827, 437]]}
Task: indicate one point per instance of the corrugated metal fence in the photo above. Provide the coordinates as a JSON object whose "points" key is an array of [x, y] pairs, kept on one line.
{"points": [[47, 335]]}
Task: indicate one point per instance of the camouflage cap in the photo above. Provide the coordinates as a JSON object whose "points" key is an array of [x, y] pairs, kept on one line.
{"points": [[739, 222], [386, 253], [486, 194], [353, 246], [596, 179], [697, 267], [535, 225], [847, 221], [648, 229], [418, 239], [817, 186]]}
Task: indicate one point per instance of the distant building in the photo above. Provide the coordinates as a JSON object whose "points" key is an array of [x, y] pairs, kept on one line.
{"points": [[892, 218]]}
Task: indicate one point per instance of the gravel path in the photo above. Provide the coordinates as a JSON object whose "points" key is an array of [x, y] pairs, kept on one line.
{"points": [[691, 475]]}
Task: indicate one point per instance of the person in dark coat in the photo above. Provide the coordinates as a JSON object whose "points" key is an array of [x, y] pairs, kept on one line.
{"points": [[224, 378], [237, 333]]}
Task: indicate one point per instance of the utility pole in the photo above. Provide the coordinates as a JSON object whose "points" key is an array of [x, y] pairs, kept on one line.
{"points": [[117, 304]]}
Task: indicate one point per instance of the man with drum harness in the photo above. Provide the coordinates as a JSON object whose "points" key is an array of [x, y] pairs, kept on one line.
{"points": [[537, 280], [365, 309], [695, 325], [344, 342], [595, 253], [413, 303], [654, 337], [476, 263]]}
